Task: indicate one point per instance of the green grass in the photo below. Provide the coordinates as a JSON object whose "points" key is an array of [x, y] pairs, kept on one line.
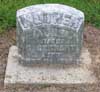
{"points": [[8, 8]]}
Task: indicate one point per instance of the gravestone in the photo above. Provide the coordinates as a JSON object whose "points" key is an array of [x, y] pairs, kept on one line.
{"points": [[49, 34], [49, 37]]}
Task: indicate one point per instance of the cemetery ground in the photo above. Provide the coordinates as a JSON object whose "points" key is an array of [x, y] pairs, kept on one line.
{"points": [[91, 8], [91, 41]]}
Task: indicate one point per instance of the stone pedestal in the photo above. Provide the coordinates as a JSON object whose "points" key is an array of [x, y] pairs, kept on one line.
{"points": [[48, 74]]}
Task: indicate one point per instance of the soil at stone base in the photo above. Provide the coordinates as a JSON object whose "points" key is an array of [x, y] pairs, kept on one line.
{"points": [[91, 41]]}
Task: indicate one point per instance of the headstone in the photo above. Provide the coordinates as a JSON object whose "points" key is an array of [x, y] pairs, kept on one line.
{"points": [[49, 34], [49, 37]]}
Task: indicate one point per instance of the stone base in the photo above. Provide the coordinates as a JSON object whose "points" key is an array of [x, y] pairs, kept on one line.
{"points": [[48, 74]]}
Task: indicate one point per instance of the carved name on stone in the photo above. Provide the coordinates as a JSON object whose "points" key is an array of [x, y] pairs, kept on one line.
{"points": [[49, 33]]}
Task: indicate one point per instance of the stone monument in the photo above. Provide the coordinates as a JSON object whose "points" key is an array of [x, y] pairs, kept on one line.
{"points": [[49, 38], [49, 34]]}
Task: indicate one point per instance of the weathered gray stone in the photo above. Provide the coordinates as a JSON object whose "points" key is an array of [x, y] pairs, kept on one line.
{"points": [[57, 74], [49, 33]]}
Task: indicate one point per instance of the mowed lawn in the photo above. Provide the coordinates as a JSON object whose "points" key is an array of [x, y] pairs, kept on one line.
{"points": [[8, 8]]}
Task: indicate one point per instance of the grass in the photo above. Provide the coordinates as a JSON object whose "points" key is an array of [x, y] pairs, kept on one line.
{"points": [[8, 8]]}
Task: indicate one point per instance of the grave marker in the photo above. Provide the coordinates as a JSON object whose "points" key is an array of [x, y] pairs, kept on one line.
{"points": [[49, 33]]}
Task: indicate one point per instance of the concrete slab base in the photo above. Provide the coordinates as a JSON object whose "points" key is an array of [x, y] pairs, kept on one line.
{"points": [[48, 74]]}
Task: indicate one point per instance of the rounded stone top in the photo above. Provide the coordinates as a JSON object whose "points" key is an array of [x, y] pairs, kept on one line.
{"points": [[36, 14], [51, 8]]}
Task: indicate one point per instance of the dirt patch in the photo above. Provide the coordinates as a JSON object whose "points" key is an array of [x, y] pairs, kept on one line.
{"points": [[6, 40], [91, 41]]}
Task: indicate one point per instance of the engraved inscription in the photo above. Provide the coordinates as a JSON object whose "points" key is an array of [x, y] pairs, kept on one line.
{"points": [[49, 34], [59, 19]]}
